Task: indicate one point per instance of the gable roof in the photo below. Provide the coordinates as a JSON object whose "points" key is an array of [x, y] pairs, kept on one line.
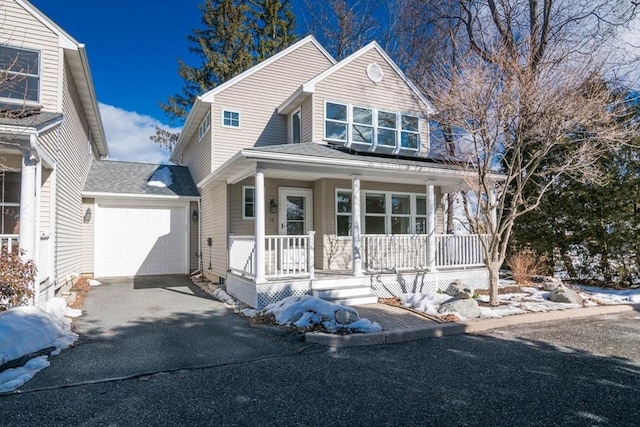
{"points": [[310, 86], [200, 107], [79, 67], [108, 177]]}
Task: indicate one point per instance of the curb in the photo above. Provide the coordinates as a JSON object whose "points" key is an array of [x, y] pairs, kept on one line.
{"points": [[393, 336]]}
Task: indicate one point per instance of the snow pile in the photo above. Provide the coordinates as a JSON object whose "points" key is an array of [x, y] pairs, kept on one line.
{"points": [[307, 311], [26, 330], [612, 296], [161, 178], [427, 302]]}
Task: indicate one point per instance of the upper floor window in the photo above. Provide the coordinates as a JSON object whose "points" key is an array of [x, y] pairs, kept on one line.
{"points": [[231, 119], [205, 125], [296, 127], [364, 125], [20, 74]]}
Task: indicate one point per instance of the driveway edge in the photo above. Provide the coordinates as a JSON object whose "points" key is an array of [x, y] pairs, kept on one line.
{"points": [[467, 327]]}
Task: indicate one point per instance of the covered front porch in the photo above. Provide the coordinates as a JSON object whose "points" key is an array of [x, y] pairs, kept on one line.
{"points": [[328, 222]]}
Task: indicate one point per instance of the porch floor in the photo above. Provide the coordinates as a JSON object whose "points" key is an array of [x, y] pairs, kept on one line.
{"points": [[393, 318]]}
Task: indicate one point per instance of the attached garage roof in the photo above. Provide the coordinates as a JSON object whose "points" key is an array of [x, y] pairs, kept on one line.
{"points": [[123, 178]]}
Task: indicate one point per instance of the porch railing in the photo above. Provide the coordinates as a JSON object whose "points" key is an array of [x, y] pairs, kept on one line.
{"points": [[10, 241], [285, 256], [409, 252]]}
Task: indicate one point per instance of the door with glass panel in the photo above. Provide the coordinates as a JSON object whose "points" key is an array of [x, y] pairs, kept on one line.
{"points": [[295, 220]]}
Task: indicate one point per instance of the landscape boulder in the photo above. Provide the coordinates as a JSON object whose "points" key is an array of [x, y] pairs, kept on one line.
{"points": [[565, 295], [346, 317], [465, 307], [458, 290], [551, 283]]}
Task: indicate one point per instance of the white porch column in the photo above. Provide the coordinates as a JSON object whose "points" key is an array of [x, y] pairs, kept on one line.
{"points": [[431, 227], [259, 218], [28, 206], [356, 226]]}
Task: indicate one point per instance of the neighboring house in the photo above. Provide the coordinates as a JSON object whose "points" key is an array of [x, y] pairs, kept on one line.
{"points": [[142, 220], [315, 177], [50, 130]]}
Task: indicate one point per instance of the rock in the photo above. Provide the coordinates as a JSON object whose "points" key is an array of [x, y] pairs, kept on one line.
{"points": [[465, 307], [458, 290], [565, 295], [551, 283], [346, 317]]}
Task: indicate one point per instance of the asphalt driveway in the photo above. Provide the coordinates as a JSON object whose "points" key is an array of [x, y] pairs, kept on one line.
{"points": [[137, 326]]}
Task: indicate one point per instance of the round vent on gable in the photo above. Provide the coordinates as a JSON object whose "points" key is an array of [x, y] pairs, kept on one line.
{"points": [[374, 72]]}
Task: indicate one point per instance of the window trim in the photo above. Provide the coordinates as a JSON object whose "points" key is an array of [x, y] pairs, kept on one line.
{"points": [[350, 123], [244, 202], [3, 203], [205, 126], [23, 101], [230, 126]]}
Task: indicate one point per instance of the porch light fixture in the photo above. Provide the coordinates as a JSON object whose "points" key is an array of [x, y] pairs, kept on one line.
{"points": [[194, 215], [273, 207], [87, 216]]}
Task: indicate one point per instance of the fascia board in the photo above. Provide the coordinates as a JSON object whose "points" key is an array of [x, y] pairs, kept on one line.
{"points": [[92, 101], [100, 195], [293, 101]]}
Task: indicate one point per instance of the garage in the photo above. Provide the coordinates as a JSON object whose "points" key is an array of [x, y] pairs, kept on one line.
{"points": [[140, 240], [139, 220]]}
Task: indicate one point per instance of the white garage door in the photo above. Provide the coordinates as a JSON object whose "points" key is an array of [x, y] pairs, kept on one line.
{"points": [[138, 241]]}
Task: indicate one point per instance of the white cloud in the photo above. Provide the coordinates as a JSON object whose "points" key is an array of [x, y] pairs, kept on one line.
{"points": [[128, 136]]}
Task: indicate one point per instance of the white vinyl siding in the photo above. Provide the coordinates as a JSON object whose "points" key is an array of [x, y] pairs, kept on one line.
{"points": [[213, 218], [257, 98], [204, 127], [350, 86]]}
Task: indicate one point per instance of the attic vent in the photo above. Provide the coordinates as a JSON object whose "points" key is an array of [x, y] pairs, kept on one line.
{"points": [[374, 72]]}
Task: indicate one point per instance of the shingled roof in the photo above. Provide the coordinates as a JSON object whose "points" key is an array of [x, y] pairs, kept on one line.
{"points": [[112, 177]]}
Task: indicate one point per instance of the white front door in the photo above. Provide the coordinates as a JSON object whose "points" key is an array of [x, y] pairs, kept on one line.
{"points": [[295, 211], [295, 218]]}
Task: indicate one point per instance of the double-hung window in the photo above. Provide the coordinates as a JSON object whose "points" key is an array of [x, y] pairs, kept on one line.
{"points": [[296, 127], [9, 202], [344, 203], [421, 215], [205, 125], [248, 202], [362, 128], [20, 70], [400, 214], [375, 213], [336, 122], [387, 128], [410, 133]]}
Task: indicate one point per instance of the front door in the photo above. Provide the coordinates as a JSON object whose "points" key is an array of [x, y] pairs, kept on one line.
{"points": [[295, 218]]}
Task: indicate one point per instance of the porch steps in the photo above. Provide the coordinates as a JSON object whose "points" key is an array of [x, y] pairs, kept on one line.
{"points": [[343, 293]]}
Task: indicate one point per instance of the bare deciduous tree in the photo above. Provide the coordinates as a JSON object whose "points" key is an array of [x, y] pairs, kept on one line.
{"points": [[527, 96]]}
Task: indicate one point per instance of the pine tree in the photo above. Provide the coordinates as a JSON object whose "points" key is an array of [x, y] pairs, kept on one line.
{"points": [[273, 26]]}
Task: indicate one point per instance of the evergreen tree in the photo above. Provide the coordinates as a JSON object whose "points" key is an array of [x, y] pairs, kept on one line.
{"points": [[235, 35]]}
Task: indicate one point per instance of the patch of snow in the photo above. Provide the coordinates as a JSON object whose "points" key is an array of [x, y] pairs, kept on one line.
{"points": [[306, 311], [612, 296], [93, 282], [26, 330], [427, 302], [161, 178]]}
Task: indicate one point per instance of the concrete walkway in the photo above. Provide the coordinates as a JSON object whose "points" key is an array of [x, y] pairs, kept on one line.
{"points": [[400, 325]]}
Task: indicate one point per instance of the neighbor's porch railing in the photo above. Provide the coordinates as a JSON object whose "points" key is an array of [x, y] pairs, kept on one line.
{"points": [[409, 252], [285, 256], [10, 241]]}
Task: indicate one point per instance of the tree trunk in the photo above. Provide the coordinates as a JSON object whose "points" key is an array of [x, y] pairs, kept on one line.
{"points": [[451, 197], [494, 279]]}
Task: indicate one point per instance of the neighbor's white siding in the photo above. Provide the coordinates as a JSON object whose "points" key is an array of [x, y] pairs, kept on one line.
{"points": [[18, 28]]}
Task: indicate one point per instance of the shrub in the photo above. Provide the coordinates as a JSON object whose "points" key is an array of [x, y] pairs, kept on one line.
{"points": [[524, 264], [16, 279]]}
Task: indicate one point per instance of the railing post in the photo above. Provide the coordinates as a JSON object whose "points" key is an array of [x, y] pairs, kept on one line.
{"points": [[311, 255]]}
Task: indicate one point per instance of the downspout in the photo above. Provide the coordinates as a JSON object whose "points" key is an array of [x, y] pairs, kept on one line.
{"points": [[199, 236]]}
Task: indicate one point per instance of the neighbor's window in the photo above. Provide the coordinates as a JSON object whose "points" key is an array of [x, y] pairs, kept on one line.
{"points": [[20, 71], [344, 203], [205, 125], [231, 119], [248, 202], [9, 202]]}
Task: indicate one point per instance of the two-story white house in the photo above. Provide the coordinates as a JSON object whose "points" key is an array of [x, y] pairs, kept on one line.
{"points": [[50, 130], [316, 177]]}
